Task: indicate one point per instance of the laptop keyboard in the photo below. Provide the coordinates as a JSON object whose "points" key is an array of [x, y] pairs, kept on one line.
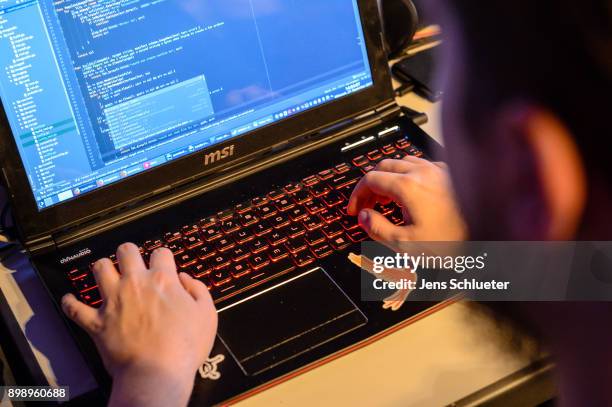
{"points": [[262, 239]]}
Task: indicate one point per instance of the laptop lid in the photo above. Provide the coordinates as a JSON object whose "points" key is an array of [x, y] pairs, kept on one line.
{"points": [[107, 103]]}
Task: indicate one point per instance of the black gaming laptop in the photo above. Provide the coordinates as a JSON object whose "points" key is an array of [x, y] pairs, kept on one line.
{"points": [[231, 132]]}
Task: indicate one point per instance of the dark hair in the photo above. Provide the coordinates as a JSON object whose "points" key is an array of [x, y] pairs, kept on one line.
{"points": [[557, 53]]}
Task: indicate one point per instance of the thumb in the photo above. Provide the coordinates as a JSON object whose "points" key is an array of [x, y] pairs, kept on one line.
{"points": [[83, 315], [381, 229]]}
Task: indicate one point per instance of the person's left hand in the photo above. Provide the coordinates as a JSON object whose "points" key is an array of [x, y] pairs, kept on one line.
{"points": [[154, 330]]}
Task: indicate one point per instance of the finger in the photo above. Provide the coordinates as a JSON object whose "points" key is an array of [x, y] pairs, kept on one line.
{"points": [[107, 277], [195, 288], [442, 165], [377, 184], [130, 260], [83, 315], [381, 229], [396, 166], [414, 160], [162, 260]]}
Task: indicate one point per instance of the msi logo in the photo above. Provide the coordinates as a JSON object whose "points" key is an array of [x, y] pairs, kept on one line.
{"points": [[219, 155]]}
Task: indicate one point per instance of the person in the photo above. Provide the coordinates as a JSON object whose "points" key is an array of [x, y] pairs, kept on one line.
{"points": [[527, 94]]}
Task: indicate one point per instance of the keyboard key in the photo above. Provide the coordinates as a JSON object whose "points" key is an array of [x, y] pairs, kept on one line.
{"points": [[186, 259], [243, 236], [176, 249], [312, 222], [320, 189], [258, 245], [295, 230], [207, 222], [192, 241], [200, 270], [76, 274], [277, 194], [240, 269], [267, 211], [243, 207], [339, 243], [375, 155], [322, 250], [329, 215], [326, 174], [278, 253], [403, 144], [357, 235], [212, 233], [92, 297], [301, 197], [86, 282], [224, 244], [206, 252], [310, 181], [284, 204], [279, 221], [230, 225], [259, 201], [303, 258], [361, 161], [332, 229], [262, 228], [368, 168], [347, 178], [396, 217], [388, 149], [349, 222], [277, 237], [298, 213], [189, 229], [172, 237], [292, 188], [226, 214], [239, 253], [296, 245], [247, 219], [206, 280], [342, 168], [259, 261], [384, 209], [151, 245], [220, 277], [314, 237], [314, 206], [220, 261], [333, 199]]}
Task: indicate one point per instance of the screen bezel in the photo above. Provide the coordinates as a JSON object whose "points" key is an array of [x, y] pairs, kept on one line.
{"points": [[34, 224]]}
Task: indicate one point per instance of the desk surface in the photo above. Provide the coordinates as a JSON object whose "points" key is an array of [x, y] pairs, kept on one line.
{"points": [[435, 361]]}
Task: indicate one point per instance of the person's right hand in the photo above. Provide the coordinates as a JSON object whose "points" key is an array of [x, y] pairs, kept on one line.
{"points": [[154, 331], [424, 191]]}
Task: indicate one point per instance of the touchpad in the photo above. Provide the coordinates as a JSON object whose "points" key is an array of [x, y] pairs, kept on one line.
{"points": [[283, 322]]}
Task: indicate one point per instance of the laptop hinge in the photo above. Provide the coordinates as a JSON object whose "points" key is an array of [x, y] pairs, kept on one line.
{"points": [[39, 245]]}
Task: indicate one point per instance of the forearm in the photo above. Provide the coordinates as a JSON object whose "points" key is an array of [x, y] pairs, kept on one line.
{"points": [[149, 388]]}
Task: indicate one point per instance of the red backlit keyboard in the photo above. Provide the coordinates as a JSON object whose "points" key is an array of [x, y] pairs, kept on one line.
{"points": [[268, 236]]}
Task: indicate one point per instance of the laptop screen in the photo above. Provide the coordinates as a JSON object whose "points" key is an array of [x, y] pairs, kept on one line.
{"points": [[98, 91]]}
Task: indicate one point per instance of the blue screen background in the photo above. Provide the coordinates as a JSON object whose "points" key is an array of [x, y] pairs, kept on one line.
{"points": [[98, 91]]}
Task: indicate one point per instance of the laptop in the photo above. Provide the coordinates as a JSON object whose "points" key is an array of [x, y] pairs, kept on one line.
{"points": [[231, 132]]}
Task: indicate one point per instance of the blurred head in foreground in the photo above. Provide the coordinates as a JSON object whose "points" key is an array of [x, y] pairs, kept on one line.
{"points": [[527, 126]]}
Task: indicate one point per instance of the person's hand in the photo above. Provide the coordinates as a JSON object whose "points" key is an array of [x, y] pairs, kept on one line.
{"points": [[154, 330], [424, 191]]}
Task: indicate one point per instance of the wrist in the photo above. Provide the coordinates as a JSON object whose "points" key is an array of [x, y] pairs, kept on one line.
{"points": [[143, 385]]}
